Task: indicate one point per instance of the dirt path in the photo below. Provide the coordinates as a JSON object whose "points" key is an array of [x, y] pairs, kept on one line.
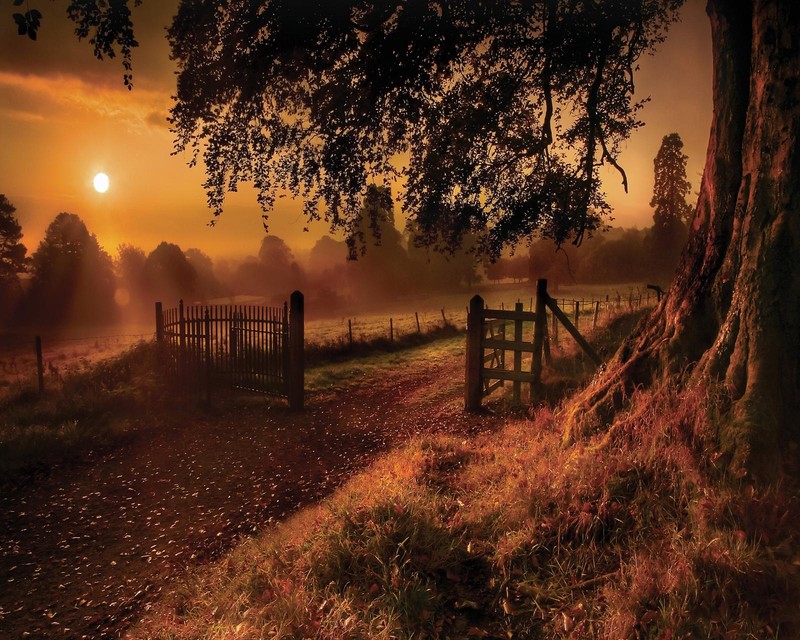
{"points": [[84, 550]]}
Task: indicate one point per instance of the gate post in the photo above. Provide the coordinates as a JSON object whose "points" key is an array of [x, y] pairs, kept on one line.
{"points": [[473, 391], [539, 328], [296, 360]]}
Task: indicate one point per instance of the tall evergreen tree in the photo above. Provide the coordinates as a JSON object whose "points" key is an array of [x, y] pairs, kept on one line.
{"points": [[671, 186], [671, 212], [12, 258]]}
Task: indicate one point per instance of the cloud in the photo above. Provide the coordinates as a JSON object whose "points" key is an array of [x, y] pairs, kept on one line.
{"points": [[58, 52], [35, 98], [158, 119], [20, 115]]}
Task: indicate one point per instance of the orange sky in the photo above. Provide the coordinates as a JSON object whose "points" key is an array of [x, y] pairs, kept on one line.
{"points": [[65, 116]]}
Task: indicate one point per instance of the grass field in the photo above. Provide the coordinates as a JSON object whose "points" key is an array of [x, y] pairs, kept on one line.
{"points": [[66, 353]]}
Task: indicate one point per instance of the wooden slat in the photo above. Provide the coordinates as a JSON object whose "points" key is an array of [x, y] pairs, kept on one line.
{"points": [[494, 324], [488, 388], [502, 374], [525, 316], [573, 331], [507, 345]]}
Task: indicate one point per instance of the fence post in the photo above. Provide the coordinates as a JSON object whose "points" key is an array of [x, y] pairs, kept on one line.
{"points": [[577, 314], [539, 328], [444, 317], [596, 313], [296, 356], [207, 330], [548, 357], [517, 389], [416, 315], [391, 330], [472, 388], [159, 323], [39, 363], [350, 332]]}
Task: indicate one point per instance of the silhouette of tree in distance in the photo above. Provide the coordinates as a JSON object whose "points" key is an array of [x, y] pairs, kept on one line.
{"points": [[73, 277], [671, 212], [12, 251], [12, 258]]}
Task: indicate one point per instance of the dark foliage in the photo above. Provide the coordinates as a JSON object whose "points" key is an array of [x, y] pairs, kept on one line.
{"points": [[169, 276], [12, 258], [505, 109], [671, 212], [73, 277]]}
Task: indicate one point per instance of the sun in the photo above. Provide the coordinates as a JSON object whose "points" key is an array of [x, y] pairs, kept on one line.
{"points": [[101, 183]]}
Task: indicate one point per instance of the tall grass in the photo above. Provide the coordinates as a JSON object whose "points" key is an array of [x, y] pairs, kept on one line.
{"points": [[645, 531]]}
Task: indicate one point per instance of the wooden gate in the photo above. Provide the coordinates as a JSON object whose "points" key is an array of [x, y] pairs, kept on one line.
{"points": [[487, 343], [252, 348]]}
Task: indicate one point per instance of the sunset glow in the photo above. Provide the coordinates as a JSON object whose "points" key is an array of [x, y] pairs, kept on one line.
{"points": [[447, 319]]}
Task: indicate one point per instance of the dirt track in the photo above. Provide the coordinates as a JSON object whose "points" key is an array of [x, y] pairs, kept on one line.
{"points": [[85, 549]]}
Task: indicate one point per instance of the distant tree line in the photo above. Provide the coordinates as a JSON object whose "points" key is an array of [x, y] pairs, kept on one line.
{"points": [[70, 278], [618, 255]]}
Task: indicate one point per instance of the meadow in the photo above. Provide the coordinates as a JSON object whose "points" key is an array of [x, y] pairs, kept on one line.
{"points": [[68, 352]]}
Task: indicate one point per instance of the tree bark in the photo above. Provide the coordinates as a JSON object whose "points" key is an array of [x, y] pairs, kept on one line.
{"points": [[732, 313]]}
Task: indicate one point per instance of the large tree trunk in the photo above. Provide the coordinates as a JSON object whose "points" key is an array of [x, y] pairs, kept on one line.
{"points": [[733, 311]]}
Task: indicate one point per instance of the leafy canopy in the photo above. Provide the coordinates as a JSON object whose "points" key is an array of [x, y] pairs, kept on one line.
{"points": [[495, 114]]}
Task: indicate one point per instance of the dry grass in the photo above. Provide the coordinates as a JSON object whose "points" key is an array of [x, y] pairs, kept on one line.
{"points": [[640, 533], [62, 357], [83, 409]]}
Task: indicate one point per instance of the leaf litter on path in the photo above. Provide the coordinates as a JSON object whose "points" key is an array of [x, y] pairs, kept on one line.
{"points": [[84, 550]]}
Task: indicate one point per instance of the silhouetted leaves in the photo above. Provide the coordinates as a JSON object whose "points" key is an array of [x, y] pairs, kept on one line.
{"points": [[27, 23], [107, 25], [505, 109]]}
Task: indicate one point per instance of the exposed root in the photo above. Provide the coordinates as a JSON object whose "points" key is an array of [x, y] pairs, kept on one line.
{"points": [[596, 407]]}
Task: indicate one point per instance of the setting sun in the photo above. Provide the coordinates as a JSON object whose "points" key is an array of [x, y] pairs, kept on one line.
{"points": [[101, 183]]}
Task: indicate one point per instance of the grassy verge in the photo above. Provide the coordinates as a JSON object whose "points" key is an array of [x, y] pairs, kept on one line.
{"points": [[345, 373], [641, 532], [340, 349], [84, 411]]}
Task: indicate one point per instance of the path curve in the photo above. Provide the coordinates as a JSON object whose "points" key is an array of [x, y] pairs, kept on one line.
{"points": [[83, 551]]}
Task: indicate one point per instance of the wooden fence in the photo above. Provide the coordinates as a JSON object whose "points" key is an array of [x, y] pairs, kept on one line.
{"points": [[488, 340], [253, 348]]}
